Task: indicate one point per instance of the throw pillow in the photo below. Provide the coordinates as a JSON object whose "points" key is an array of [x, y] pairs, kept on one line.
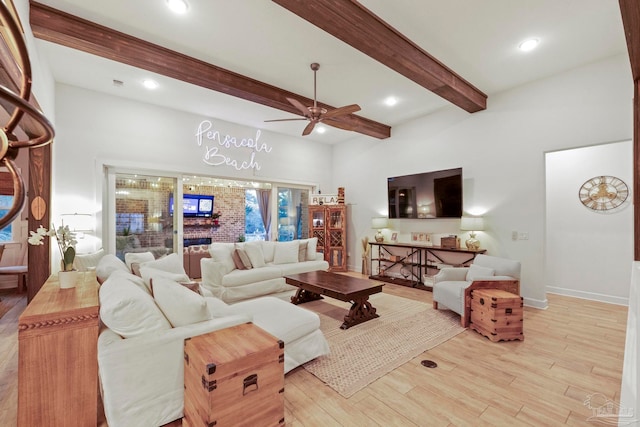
{"points": [[139, 257], [85, 262], [268, 249], [221, 252], [477, 272], [150, 273], [237, 261], [302, 251], [255, 254], [170, 263], [128, 310], [180, 305], [286, 252], [107, 265], [246, 262], [312, 248]]}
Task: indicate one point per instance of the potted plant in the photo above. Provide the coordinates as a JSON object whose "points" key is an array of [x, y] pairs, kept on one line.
{"points": [[216, 217], [66, 239]]}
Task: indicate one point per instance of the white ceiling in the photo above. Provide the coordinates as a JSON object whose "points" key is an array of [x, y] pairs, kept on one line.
{"points": [[260, 39]]}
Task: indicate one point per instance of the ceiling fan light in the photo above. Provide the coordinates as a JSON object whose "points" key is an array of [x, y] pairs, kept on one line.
{"points": [[321, 129], [528, 45], [178, 6]]}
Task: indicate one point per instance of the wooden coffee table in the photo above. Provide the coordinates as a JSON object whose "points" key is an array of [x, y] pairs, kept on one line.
{"points": [[311, 286]]}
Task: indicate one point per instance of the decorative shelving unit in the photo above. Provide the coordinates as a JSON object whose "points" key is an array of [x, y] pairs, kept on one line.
{"points": [[328, 223]]}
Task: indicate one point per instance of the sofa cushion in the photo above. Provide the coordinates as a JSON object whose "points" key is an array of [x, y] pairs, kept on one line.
{"points": [[128, 310], [179, 304], [255, 253], [237, 261], [137, 257], [170, 263], [245, 277], [284, 320], [477, 272], [107, 265], [221, 252], [149, 273], [303, 267], [286, 252], [268, 249], [312, 248], [84, 262]]}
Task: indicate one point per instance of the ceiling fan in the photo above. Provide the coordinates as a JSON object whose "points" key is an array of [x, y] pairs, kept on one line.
{"points": [[317, 114]]}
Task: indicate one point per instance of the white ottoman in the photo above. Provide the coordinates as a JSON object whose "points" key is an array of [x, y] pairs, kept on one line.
{"points": [[298, 327]]}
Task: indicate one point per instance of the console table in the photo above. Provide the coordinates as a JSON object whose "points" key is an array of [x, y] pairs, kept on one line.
{"points": [[413, 261], [58, 349]]}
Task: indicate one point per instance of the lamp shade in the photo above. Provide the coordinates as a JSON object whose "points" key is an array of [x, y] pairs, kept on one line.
{"points": [[379, 223], [472, 223], [78, 221]]}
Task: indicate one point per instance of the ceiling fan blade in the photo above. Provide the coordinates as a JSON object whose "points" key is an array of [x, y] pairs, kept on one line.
{"points": [[284, 120], [347, 109], [338, 124], [304, 110], [307, 130]]}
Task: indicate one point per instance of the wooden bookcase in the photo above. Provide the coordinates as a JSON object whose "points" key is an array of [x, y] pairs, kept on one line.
{"points": [[58, 349], [329, 224]]}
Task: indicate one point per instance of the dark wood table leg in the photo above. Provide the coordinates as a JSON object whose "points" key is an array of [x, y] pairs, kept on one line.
{"points": [[303, 295], [361, 311]]}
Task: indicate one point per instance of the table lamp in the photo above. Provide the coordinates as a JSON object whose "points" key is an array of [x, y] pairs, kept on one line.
{"points": [[378, 224], [472, 224]]}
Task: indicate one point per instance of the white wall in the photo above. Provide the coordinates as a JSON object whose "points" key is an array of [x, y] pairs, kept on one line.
{"points": [[95, 129], [501, 151], [588, 253]]}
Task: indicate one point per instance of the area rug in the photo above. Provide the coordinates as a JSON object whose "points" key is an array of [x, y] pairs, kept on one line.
{"points": [[365, 352]]}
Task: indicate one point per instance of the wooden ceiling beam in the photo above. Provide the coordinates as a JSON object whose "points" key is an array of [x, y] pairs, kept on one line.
{"points": [[355, 25], [62, 28]]}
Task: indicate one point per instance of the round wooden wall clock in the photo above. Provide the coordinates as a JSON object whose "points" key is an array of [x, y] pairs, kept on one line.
{"points": [[603, 193]]}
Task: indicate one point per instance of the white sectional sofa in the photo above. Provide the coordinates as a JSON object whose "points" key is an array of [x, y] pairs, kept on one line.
{"points": [[241, 271], [146, 320]]}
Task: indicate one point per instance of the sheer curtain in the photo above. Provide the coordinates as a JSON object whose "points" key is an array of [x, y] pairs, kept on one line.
{"points": [[264, 197]]}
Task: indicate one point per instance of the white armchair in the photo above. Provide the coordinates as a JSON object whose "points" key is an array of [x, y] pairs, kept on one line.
{"points": [[452, 286]]}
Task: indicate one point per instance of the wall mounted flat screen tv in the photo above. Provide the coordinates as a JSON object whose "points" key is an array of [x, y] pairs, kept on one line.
{"points": [[194, 205], [436, 194]]}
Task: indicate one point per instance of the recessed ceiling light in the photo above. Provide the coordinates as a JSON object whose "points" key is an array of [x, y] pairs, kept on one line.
{"points": [[150, 84], [178, 6], [321, 129], [391, 101], [529, 45]]}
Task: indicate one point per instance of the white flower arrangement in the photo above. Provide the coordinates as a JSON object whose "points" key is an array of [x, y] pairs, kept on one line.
{"points": [[66, 242]]}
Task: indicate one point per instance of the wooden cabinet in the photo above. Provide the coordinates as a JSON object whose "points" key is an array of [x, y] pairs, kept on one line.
{"points": [[58, 356], [234, 377], [329, 224]]}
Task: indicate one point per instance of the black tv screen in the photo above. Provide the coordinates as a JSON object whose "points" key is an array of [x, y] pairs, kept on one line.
{"points": [[194, 205], [436, 194]]}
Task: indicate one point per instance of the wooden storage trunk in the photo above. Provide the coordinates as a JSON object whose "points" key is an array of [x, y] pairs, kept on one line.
{"points": [[234, 377], [497, 314]]}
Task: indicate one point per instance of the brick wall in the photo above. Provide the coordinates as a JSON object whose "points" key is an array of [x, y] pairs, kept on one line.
{"points": [[151, 198]]}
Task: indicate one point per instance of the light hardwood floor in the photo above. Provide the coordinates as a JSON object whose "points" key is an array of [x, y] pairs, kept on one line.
{"points": [[571, 351]]}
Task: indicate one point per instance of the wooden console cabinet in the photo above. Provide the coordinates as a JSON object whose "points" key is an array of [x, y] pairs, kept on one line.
{"points": [[329, 224], [412, 261], [58, 356]]}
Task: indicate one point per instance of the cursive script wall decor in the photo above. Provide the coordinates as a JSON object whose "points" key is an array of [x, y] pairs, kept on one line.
{"points": [[225, 150]]}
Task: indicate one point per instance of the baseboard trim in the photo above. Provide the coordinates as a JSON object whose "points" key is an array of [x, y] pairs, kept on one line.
{"points": [[610, 299], [535, 303]]}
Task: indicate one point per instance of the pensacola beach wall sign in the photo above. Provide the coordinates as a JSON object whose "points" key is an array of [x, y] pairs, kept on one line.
{"points": [[228, 150]]}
